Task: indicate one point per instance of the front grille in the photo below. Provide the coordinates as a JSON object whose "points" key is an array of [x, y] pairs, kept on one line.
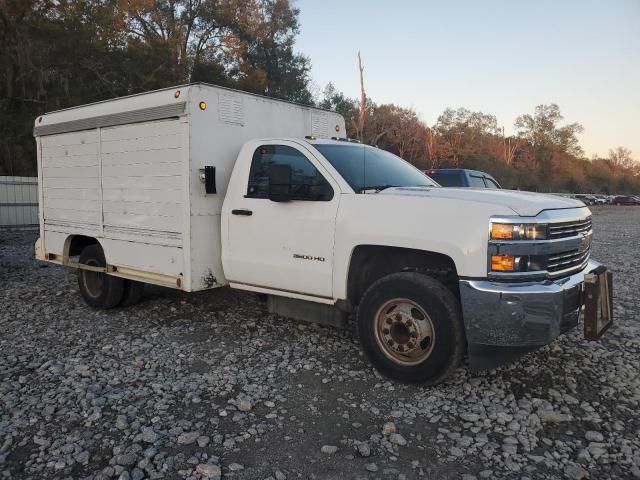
{"points": [[564, 251], [569, 229], [567, 260]]}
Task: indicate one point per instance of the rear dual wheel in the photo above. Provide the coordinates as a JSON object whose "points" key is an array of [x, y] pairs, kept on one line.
{"points": [[410, 327], [100, 290]]}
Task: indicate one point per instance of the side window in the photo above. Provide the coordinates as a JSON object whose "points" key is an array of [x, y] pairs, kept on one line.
{"points": [[476, 182], [306, 182], [490, 183]]}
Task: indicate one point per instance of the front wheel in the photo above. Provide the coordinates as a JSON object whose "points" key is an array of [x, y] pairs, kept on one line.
{"points": [[410, 327]]}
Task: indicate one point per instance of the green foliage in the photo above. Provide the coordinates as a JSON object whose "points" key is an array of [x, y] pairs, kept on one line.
{"points": [[57, 54], [542, 131]]}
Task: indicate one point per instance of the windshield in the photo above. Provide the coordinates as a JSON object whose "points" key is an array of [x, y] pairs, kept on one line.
{"points": [[368, 168]]}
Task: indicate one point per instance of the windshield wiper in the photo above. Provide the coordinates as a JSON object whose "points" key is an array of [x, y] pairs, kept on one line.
{"points": [[375, 188]]}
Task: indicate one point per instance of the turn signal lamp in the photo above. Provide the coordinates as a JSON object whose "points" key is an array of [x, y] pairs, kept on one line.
{"points": [[500, 231], [203, 105], [503, 263]]}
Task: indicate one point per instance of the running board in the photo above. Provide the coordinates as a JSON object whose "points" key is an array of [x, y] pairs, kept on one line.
{"points": [[307, 311]]}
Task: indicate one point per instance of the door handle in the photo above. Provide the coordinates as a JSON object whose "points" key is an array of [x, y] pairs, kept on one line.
{"points": [[245, 212]]}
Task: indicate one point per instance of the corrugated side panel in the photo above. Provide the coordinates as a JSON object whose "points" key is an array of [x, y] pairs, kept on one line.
{"points": [[142, 183], [18, 202], [70, 180]]}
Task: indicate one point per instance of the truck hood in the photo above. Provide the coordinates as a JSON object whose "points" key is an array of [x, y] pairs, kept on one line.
{"points": [[525, 204]]}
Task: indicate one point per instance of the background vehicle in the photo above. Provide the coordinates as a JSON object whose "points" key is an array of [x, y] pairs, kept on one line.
{"points": [[198, 187], [586, 199], [625, 200], [461, 177]]}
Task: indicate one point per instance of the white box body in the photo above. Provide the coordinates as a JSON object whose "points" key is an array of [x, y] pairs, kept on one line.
{"points": [[127, 173]]}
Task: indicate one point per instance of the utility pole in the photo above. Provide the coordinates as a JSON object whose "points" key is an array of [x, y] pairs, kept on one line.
{"points": [[363, 102]]}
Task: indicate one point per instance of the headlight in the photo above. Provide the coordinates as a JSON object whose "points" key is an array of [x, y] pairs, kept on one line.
{"points": [[518, 231]]}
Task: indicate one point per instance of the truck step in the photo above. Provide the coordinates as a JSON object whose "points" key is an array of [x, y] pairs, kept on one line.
{"points": [[307, 311]]}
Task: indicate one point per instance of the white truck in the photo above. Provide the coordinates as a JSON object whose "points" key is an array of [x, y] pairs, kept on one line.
{"points": [[198, 187]]}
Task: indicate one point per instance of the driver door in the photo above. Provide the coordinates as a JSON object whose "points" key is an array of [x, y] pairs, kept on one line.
{"points": [[286, 246]]}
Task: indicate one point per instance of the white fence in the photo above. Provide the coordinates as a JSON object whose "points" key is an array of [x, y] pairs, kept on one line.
{"points": [[18, 202]]}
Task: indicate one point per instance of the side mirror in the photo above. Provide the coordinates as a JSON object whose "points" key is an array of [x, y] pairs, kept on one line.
{"points": [[280, 183]]}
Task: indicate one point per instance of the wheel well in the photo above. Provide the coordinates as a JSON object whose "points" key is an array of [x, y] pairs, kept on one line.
{"points": [[372, 262], [76, 243]]}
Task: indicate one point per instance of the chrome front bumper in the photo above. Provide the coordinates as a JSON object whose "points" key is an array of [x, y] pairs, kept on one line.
{"points": [[524, 314]]}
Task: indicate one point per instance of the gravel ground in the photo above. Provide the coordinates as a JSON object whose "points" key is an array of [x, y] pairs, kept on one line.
{"points": [[208, 385]]}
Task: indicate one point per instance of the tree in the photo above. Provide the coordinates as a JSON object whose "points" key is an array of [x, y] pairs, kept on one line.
{"points": [[461, 129], [336, 101], [620, 159], [362, 114], [400, 131], [543, 132], [510, 147], [431, 147], [56, 54], [263, 60]]}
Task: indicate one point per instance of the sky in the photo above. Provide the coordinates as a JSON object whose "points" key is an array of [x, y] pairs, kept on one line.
{"points": [[498, 57]]}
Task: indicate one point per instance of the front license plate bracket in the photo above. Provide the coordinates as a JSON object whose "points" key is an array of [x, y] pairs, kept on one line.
{"points": [[598, 303]]}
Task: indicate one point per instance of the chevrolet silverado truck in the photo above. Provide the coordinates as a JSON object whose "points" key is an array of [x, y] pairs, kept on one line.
{"points": [[199, 187]]}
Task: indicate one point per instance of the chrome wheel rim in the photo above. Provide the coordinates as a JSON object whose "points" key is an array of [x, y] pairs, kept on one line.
{"points": [[404, 331]]}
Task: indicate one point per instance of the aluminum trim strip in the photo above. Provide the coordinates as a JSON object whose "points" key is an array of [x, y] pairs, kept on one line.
{"points": [[134, 116]]}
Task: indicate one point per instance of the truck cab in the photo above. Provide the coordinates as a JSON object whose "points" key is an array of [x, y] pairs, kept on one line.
{"points": [[360, 226]]}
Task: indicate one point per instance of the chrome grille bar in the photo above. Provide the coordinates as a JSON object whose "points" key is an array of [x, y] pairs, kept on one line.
{"points": [[570, 260], [569, 229]]}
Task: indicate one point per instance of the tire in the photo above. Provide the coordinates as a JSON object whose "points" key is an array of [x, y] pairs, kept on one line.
{"points": [[99, 290], [132, 294], [410, 327]]}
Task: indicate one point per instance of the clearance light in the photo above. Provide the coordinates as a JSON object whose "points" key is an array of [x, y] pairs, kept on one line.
{"points": [[177, 94], [337, 128], [203, 105], [503, 263]]}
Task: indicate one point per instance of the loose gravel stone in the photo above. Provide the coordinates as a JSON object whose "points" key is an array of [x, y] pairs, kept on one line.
{"points": [[188, 438], [388, 428], [593, 436], [364, 449], [209, 471], [575, 472], [329, 449], [397, 439], [371, 467]]}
